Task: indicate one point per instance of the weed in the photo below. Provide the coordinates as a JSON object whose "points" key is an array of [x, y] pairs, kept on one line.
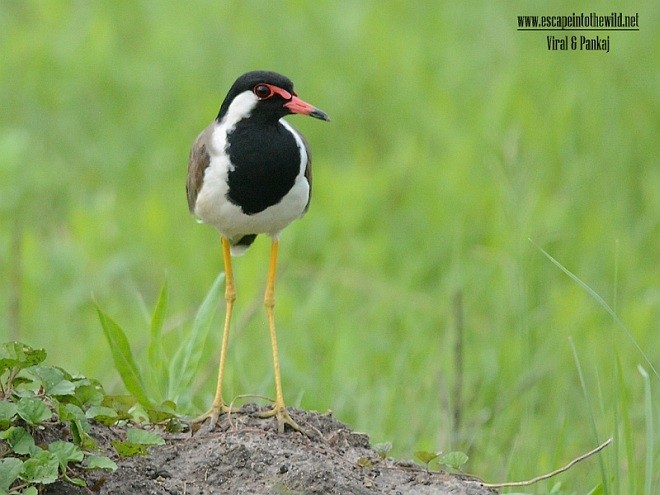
{"points": [[34, 395]]}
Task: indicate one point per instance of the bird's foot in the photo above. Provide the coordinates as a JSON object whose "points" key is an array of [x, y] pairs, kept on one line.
{"points": [[213, 414], [283, 418]]}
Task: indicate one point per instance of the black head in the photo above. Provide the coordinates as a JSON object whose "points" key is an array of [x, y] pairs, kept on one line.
{"points": [[266, 95]]}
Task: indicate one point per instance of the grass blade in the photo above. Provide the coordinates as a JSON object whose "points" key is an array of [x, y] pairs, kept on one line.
{"points": [[601, 302], [155, 350], [627, 430], [648, 416], [187, 358], [583, 384], [123, 358]]}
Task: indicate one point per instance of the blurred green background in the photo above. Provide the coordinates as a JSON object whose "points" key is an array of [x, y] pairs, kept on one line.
{"points": [[454, 140]]}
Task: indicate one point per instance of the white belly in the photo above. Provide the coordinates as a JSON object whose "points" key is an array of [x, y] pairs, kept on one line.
{"points": [[213, 207]]}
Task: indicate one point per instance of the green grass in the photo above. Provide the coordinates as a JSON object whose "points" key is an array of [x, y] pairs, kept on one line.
{"points": [[454, 139]]}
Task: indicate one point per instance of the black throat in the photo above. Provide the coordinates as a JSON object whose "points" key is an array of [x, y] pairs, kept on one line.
{"points": [[266, 161]]}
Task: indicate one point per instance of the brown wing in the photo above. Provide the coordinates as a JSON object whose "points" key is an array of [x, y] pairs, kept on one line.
{"points": [[198, 161], [308, 171]]}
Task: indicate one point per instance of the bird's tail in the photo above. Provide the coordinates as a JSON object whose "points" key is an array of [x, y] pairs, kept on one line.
{"points": [[240, 246]]}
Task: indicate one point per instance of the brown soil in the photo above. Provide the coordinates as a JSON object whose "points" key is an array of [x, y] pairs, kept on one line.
{"points": [[245, 454]]}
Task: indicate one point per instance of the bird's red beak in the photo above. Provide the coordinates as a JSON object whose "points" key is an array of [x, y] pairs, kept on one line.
{"points": [[296, 105]]}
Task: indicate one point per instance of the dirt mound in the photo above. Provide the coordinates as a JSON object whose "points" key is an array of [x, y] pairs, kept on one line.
{"points": [[245, 454]]}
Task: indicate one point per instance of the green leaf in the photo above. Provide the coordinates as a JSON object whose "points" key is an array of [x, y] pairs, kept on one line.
{"points": [[185, 363], [20, 441], [52, 379], [7, 411], [10, 468], [100, 462], [425, 456], [33, 410], [453, 459], [78, 424], [127, 449], [105, 415], [18, 355], [88, 394], [136, 435], [122, 404], [66, 452], [74, 481], [155, 351], [80, 432], [67, 412], [123, 358], [136, 443], [41, 468], [163, 412], [31, 490]]}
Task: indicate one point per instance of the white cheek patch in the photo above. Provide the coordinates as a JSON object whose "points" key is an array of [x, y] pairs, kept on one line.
{"points": [[240, 108]]}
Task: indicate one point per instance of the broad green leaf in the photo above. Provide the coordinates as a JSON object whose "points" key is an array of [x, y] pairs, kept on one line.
{"points": [[89, 394], [425, 456], [18, 355], [453, 459], [128, 449], [78, 423], [123, 358], [20, 441], [52, 379], [67, 411], [66, 452], [7, 411], [101, 413], [136, 435], [100, 462], [10, 468], [185, 363], [31, 490], [41, 468], [163, 412], [120, 403], [80, 432], [33, 410]]}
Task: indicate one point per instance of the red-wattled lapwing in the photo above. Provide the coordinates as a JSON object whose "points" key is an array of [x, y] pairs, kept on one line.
{"points": [[250, 173]]}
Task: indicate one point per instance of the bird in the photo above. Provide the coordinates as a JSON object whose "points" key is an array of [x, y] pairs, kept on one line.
{"points": [[250, 173]]}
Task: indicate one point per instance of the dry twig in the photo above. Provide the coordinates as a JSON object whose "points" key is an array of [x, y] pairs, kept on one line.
{"points": [[553, 473]]}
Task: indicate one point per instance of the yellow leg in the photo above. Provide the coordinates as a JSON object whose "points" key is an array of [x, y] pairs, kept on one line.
{"points": [[219, 405], [279, 409]]}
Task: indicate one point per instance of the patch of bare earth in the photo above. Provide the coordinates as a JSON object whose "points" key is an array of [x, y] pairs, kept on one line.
{"points": [[245, 454]]}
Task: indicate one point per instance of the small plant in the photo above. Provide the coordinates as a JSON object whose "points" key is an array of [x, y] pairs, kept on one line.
{"points": [[34, 395], [453, 460], [158, 385], [426, 457], [383, 449]]}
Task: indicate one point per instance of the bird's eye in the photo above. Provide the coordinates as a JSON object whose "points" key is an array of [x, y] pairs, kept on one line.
{"points": [[262, 91]]}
